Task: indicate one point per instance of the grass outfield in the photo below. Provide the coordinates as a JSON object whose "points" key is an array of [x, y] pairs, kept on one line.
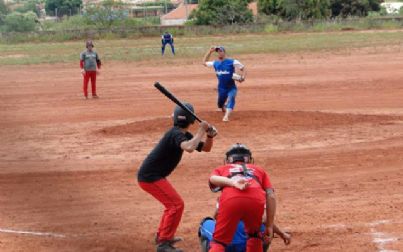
{"points": [[191, 48]]}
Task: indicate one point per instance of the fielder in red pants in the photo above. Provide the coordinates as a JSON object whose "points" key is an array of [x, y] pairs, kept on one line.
{"points": [[162, 160], [89, 61], [246, 188]]}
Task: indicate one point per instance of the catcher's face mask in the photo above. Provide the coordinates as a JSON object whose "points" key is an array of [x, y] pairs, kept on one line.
{"points": [[238, 153], [238, 158]]}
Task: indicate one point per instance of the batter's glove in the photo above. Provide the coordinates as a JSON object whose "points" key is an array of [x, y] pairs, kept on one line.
{"points": [[212, 132]]}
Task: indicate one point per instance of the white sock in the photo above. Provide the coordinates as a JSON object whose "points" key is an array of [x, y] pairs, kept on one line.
{"points": [[227, 114]]}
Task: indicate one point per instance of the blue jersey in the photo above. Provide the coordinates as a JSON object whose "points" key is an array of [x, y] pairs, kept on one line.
{"points": [[167, 38], [224, 70]]}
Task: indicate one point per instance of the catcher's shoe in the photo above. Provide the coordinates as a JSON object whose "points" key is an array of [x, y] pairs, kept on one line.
{"points": [[167, 247]]}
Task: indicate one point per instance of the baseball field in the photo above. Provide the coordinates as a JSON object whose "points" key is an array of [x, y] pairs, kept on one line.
{"points": [[322, 113]]}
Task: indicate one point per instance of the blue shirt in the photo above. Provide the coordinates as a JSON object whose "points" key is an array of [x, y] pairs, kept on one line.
{"points": [[167, 38], [224, 71], [239, 239]]}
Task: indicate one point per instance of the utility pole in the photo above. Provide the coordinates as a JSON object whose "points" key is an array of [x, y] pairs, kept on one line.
{"points": [[186, 8], [166, 7]]}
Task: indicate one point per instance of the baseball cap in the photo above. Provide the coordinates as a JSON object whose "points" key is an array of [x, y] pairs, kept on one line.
{"points": [[220, 48]]}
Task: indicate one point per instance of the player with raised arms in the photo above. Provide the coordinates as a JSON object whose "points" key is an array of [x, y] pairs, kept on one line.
{"points": [[225, 69]]}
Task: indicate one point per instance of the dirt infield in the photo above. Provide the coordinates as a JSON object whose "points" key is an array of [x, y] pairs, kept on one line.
{"points": [[327, 127]]}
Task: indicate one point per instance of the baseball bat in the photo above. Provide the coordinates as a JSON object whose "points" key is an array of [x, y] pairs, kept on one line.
{"points": [[170, 96]]}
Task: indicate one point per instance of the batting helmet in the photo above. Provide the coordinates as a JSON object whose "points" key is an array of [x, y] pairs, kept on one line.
{"points": [[239, 153], [182, 118], [89, 43]]}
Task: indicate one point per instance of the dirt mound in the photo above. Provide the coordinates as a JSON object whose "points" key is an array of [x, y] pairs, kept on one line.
{"points": [[254, 122]]}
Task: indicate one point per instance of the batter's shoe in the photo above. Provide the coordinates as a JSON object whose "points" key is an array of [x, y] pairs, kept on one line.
{"points": [[172, 242], [167, 247], [175, 240]]}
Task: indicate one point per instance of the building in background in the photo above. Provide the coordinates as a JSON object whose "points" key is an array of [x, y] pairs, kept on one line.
{"points": [[180, 15], [392, 7]]}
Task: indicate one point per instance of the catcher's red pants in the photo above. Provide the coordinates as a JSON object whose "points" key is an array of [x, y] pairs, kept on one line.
{"points": [[163, 191], [230, 212], [90, 75]]}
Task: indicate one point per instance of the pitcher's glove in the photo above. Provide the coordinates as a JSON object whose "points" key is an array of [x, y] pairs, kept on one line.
{"points": [[238, 77], [212, 132]]}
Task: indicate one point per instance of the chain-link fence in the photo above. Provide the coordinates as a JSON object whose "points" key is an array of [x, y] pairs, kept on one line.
{"points": [[147, 31]]}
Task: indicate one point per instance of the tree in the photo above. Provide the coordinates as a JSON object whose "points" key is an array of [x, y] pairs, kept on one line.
{"points": [[296, 9], [375, 5], [63, 7], [345, 8], [106, 13], [270, 7], [3, 11], [305, 9], [30, 5], [222, 12], [3, 8], [20, 22]]}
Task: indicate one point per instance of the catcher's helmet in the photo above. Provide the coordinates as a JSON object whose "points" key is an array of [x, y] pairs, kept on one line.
{"points": [[182, 118], [238, 153], [89, 43]]}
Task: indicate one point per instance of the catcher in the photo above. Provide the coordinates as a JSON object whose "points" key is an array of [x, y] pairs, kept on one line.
{"points": [[89, 61], [225, 71], [161, 162], [246, 188]]}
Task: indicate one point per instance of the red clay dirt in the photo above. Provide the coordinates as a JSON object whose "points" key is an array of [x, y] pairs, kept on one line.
{"points": [[327, 127]]}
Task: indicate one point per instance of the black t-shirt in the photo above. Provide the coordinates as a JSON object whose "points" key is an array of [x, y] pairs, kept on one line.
{"points": [[164, 158]]}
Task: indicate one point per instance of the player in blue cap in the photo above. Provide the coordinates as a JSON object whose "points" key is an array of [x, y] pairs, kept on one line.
{"points": [[225, 69], [167, 39]]}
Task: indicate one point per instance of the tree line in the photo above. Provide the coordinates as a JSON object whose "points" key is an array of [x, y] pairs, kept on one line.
{"points": [[221, 12], [24, 17]]}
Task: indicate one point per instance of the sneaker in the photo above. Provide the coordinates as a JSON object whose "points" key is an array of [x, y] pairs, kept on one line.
{"points": [[175, 240], [172, 242], [95, 96], [85, 97], [225, 119], [167, 247]]}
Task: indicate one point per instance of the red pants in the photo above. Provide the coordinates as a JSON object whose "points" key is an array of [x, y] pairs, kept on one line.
{"points": [[87, 76], [230, 212], [163, 191]]}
